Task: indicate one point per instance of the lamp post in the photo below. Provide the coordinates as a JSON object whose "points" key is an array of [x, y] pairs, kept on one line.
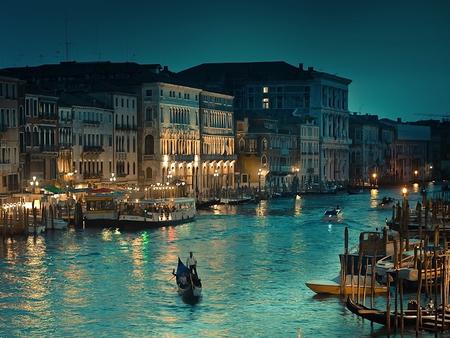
{"points": [[375, 179], [113, 179], [405, 209], [259, 180], [34, 184], [416, 172], [216, 175]]}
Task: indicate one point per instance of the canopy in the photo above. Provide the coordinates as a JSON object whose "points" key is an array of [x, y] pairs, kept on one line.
{"points": [[54, 190], [100, 191]]}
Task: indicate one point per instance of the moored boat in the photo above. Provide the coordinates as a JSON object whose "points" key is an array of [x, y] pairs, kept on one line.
{"points": [[205, 205], [37, 228], [192, 286], [332, 215], [101, 208], [352, 286], [146, 214], [408, 316], [386, 203]]}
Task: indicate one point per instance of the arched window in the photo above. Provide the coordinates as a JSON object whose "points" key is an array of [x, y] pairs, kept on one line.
{"points": [[149, 174], [35, 137], [149, 145]]}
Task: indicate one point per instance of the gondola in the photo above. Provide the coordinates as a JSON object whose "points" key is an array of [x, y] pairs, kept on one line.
{"points": [[193, 287], [205, 205], [409, 315]]}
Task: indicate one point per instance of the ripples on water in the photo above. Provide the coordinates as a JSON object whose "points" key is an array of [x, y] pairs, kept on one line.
{"points": [[254, 261]]}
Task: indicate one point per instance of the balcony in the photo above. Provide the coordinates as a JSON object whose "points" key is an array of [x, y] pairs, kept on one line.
{"points": [[49, 148], [218, 157], [92, 175], [5, 167], [148, 157], [93, 149], [91, 122], [121, 156], [48, 117], [125, 127]]}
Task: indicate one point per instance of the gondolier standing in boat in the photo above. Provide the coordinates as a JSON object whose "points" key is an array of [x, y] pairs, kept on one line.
{"points": [[192, 263]]}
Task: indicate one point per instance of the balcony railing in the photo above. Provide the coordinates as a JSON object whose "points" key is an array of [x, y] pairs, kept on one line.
{"points": [[126, 127], [93, 149], [92, 175], [49, 116], [49, 148]]}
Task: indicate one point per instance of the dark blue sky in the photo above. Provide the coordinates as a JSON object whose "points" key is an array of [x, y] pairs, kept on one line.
{"points": [[396, 52]]}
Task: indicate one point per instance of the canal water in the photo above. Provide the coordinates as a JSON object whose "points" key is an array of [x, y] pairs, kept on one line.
{"points": [[253, 260]]}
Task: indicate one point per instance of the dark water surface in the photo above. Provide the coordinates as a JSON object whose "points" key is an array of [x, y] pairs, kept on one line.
{"points": [[254, 261]]}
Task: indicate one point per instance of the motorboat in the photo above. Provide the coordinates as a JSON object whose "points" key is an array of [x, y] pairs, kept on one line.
{"points": [[386, 203], [332, 215]]}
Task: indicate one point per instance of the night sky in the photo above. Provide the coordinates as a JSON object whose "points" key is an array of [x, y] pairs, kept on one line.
{"points": [[397, 53]]}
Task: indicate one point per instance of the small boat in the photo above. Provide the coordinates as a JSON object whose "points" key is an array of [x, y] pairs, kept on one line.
{"points": [[407, 261], [155, 213], [386, 203], [332, 215], [409, 316], [205, 205], [355, 190], [58, 224], [333, 287], [38, 228], [193, 286]]}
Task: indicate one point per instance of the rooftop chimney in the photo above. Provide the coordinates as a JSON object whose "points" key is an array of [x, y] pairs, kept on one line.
{"points": [[300, 66]]}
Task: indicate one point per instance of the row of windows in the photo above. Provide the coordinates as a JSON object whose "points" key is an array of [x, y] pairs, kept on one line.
{"points": [[172, 94], [8, 90], [88, 167], [33, 106], [125, 102], [8, 118]]}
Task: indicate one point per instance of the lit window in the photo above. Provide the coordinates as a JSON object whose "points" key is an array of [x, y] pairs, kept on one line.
{"points": [[265, 102], [265, 89]]}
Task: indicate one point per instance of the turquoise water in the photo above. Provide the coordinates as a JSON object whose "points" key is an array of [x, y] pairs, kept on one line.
{"points": [[254, 261]]}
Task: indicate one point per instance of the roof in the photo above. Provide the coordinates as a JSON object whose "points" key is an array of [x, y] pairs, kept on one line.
{"points": [[54, 190]]}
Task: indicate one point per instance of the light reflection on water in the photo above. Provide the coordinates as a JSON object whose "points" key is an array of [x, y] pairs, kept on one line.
{"points": [[254, 261]]}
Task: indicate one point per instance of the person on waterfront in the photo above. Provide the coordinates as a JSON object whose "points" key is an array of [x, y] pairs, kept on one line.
{"points": [[192, 263]]}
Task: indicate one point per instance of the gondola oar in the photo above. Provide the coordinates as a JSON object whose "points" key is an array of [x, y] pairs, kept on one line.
{"points": [[173, 273]]}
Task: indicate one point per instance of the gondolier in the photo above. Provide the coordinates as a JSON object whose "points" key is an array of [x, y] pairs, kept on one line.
{"points": [[192, 263]]}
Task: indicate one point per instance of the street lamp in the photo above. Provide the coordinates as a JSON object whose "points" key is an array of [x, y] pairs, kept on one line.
{"points": [[375, 179], [113, 179], [404, 193], [416, 172], [216, 175], [34, 183], [259, 180]]}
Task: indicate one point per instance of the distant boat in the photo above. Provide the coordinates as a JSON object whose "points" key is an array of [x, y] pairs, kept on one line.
{"points": [[332, 215], [204, 205], [146, 214], [386, 203], [354, 190]]}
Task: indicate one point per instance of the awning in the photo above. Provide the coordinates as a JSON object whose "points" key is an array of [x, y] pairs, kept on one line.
{"points": [[54, 190]]}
